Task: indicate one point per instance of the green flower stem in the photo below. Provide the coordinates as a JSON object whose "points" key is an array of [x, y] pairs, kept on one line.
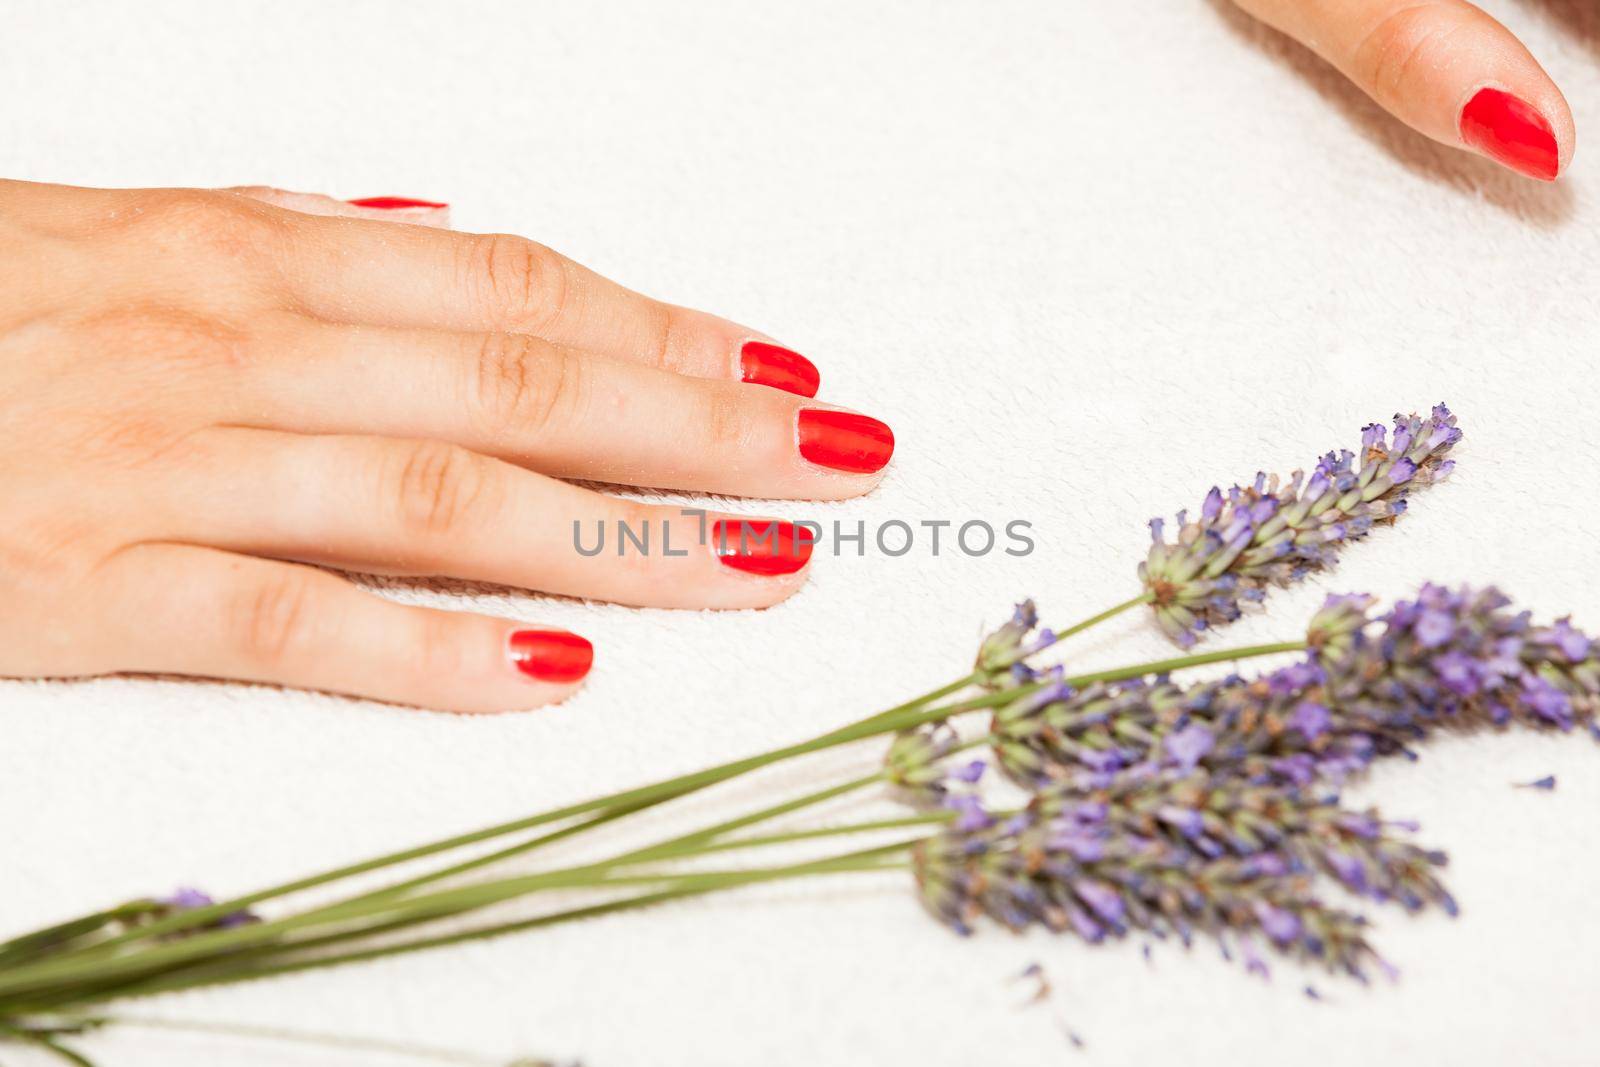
{"points": [[1083, 624], [42, 983], [195, 917], [652, 854], [677, 847], [49, 973], [1166, 666], [45, 1042], [53, 939], [1109, 613], [223, 970], [640, 797], [691, 843]]}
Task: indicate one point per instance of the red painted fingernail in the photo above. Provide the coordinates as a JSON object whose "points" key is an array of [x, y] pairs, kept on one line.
{"points": [[551, 655], [761, 546], [845, 441], [1511, 131], [781, 368], [393, 203]]}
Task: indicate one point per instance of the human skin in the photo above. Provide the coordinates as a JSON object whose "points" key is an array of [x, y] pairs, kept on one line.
{"points": [[206, 394], [1445, 68]]}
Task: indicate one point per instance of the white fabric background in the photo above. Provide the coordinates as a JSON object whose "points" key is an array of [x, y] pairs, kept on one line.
{"points": [[1087, 258]]}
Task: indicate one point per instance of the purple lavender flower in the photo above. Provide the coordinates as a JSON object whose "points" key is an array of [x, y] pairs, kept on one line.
{"points": [[1274, 533], [1188, 745], [187, 898], [1458, 658], [1103, 867], [1007, 647], [970, 813], [1370, 687], [969, 772], [915, 764]]}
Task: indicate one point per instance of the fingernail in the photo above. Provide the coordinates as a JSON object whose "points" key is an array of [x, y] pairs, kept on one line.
{"points": [[761, 546], [551, 655], [393, 203], [845, 441], [1511, 131], [781, 368]]}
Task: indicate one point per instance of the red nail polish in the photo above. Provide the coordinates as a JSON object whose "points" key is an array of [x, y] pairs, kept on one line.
{"points": [[551, 655], [393, 203], [781, 368], [844, 441], [1511, 131], [761, 546]]}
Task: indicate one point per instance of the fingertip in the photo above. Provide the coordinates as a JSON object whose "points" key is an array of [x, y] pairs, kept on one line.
{"points": [[845, 441], [773, 365], [557, 657], [1515, 133], [408, 209]]}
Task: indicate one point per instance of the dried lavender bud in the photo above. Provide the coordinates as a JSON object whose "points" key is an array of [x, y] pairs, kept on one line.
{"points": [[1001, 654], [186, 898], [1271, 533], [1052, 733], [1032, 868], [915, 765]]}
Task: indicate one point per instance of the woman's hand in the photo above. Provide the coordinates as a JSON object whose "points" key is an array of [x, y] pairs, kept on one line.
{"points": [[197, 387], [1443, 67]]}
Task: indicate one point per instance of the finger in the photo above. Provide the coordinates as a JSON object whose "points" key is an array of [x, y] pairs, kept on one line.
{"points": [[176, 609], [1444, 67], [437, 279], [569, 413], [380, 208], [428, 508]]}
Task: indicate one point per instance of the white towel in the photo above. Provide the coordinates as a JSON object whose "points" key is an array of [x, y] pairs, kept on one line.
{"points": [[1087, 259]]}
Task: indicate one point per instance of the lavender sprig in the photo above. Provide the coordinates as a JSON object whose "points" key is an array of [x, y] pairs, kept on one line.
{"points": [[1287, 829], [1274, 533], [1369, 687], [1177, 855]]}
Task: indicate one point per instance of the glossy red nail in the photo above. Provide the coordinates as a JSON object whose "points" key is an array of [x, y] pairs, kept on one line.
{"points": [[1511, 131], [551, 655], [393, 203], [844, 441], [761, 546], [781, 368]]}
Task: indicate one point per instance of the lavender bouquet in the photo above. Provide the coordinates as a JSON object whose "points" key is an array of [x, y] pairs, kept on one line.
{"points": [[1154, 806]]}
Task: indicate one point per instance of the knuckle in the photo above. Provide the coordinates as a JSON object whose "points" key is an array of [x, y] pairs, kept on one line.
{"points": [[274, 618], [522, 384], [636, 557], [525, 284], [725, 422], [165, 335], [438, 487], [665, 330], [439, 649], [1401, 45], [224, 224]]}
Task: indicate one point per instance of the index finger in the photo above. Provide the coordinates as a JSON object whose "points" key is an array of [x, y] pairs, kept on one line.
{"points": [[352, 270]]}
